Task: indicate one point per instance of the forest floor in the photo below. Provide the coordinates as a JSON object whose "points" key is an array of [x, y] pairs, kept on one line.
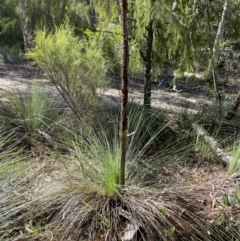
{"points": [[190, 96], [205, 181]]}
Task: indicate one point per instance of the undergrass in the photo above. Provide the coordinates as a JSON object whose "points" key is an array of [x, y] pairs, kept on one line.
{"points": [[34, 115], [83, 201], [234, 166], [8, 55], [87, 202], [75, 195]]}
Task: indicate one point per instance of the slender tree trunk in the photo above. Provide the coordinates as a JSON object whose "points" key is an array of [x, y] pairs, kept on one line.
{"points": [[27, 35], [174, 5], [49, 16], [195, 8], [147, 58], [170, 69], [220, 33], [216, 52], [124, 89], [234, 108]]}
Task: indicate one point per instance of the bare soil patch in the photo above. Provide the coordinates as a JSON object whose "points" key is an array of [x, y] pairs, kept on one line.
{"points": [[18, 77]]}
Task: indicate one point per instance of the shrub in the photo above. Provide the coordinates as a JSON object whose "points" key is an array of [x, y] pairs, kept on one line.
{"points": [[75, 66]]}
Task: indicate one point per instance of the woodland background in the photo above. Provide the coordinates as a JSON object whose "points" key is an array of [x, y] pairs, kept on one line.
{"points": [[75, 167]]}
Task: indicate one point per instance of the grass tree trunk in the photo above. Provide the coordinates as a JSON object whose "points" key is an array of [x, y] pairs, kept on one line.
{"points": [[27, 35], [124, 89], [147, 58]]}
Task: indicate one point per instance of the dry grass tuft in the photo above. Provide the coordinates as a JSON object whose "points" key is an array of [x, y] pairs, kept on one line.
{"points": [[64, 208]]}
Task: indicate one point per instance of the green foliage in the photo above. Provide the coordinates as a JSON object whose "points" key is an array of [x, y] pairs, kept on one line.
{"points": [[10, 26], [12, 162], [8, 55], [237, 195], [98, 157], [234, 165], [76, 67], [108, 39], [98, 150], [204, 151], [135, 62], [32, 115]]}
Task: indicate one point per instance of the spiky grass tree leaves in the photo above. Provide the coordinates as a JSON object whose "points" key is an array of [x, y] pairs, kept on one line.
{"points": [[62, 210]]}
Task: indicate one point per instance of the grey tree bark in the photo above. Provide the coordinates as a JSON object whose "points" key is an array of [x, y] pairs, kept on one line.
{"points": [[220, 33], [26, 31]]}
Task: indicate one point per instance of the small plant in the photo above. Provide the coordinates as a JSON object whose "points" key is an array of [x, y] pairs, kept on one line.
{"points": [[204, 151], [33, 115], [234, 165]]}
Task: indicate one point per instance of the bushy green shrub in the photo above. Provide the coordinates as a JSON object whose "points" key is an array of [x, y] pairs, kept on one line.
{"points": [[75, 66]]}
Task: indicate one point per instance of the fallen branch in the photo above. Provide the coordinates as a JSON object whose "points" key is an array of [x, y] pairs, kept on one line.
{"points": [[213, 143]]}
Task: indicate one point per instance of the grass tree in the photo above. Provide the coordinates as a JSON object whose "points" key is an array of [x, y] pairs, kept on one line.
{"points": [[83, 200]]}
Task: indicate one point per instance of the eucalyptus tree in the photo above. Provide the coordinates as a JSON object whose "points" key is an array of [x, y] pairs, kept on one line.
{"points": [[20, 18], [10, 25], [107, 30], [152, 19], [26, 31]]}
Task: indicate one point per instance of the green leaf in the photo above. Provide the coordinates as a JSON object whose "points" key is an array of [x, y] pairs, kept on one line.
{"points": [[237, 194], [227, 200], [163, 210]]}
